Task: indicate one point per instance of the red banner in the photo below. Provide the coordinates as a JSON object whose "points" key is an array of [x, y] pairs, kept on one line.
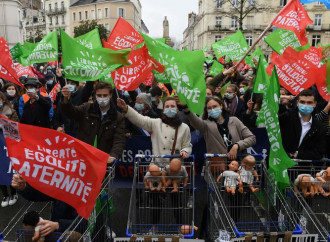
{"points": [[7, 68], [293, 17], [148, 80], [123, 36], [24, 71], [321, 83], [56, 164], [295, 71], [53, 92]]}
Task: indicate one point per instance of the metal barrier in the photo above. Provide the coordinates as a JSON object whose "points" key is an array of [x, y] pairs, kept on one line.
{"points": [[164, 212]]}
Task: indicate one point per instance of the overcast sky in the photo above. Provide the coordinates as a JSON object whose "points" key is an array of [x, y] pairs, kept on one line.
{"points": [[154, 11]]}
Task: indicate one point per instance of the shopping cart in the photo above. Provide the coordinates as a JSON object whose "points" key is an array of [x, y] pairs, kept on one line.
{"points": [[159, 213], [313, 210], [234, 216], [98, 228]]}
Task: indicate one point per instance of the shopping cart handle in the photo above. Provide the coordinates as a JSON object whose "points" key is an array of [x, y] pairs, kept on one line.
{"points": [[161, 156], [321, 160], [225, 155]]}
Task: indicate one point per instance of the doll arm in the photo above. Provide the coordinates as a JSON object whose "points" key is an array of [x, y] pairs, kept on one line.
{"points": [[320, 178], [240, 185], [163, 178], [185, 183], [219, 178], [145, 182], [255, 173]]}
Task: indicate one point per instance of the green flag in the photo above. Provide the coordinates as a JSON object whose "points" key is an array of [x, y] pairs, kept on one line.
{"points": [[44, 51], [90, 40], [16, 51], [24, 51], [257, 54], [205, 48], [184, 70], [261, 78], [216, 68], [224, 89], [233, 46], [282, 38], [209, 59], [163, 40], [83, 64], [279, 161]]}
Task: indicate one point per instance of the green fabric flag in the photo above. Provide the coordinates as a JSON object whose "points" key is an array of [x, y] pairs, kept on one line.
{"points": [[184, 70], [279, 161], [209, 59], [233, 46], [163, 40], [282, 38], [257, 54], [205, 48], [16, 51], [24, 51], [216, 68], [83, 64], [44, 51], [261, 79], [90, 40], [224, 88]]}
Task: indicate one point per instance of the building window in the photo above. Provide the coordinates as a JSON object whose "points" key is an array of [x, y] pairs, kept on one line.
{"points": [[107, 27], [99, 13], [80, 17], [251, 3], [219, 3], [55, 6], [235, 3], [318, 3], [63, 19], [283, 3], [56, 19], [218, 21], [249, 40], [74, 17], [234, 21], [217, 38], [93, 14], [318, 20], [62, 5], [121, 12], [316, 39], [50, 20], [86, 15], [50, 7], [106, 12]]}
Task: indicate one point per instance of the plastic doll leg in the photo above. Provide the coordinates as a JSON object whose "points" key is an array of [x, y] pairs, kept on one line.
{"points": [[175, 185]]}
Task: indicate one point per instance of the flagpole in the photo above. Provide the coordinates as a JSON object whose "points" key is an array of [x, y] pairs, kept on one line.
{"points": [[254, 44]]}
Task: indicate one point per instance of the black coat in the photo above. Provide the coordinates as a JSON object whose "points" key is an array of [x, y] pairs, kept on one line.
{"points": [[313, 146]]}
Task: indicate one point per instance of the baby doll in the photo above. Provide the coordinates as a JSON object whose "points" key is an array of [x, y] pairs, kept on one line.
{"points": [[30, 221], [153, 176], [324, 177], [306, 183], [232, 178], [247, 173], [173, 174]]}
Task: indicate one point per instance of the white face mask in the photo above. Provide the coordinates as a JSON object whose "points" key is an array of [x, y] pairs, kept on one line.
{"points": [[11, 92], [31, 90], [103, 101]]}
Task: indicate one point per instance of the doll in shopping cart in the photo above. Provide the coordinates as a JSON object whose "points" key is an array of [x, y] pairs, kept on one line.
{"points": [[247, 172], [324, 178], [232, 178], [152, 177], [173, 174], [306, 184], [30, 221]]}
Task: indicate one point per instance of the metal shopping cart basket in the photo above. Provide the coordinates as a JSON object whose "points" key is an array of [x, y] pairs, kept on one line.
{"points": [[250, 213], [159, 213], [313, 209], [98, 228]]}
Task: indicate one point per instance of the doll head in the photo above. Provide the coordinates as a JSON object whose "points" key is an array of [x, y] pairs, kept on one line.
{"points": [[154, 170], [233, 166], [175, 165], [305, 181], [326, 174], [249, 161], [31, 219]]}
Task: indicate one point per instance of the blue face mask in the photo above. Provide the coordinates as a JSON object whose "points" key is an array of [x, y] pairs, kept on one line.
{"points": [[126, 94], [50, 82], [153, 99], [139, 106], [1, 104], [170, 112], [214, 113], [305, 109], [71, 87]]}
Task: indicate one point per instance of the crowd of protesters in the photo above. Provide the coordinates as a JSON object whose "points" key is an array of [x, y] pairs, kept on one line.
{"points": [[94, 112]]}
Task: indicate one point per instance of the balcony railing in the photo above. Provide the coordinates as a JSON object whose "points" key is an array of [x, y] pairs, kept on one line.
{"points": [[56, 11], [323, 27], [230, 28]]}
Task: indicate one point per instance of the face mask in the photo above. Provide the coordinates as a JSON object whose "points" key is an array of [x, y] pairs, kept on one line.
{"points": [[126, 94], [153, 99], [50, 82], [11, 92], [242, 90], [103, 101], [71, 87], [305, 110], [170, 112], [31, 90], [229, 95], [139, 106], [250, 73], [1, 104], [214, 113]]}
